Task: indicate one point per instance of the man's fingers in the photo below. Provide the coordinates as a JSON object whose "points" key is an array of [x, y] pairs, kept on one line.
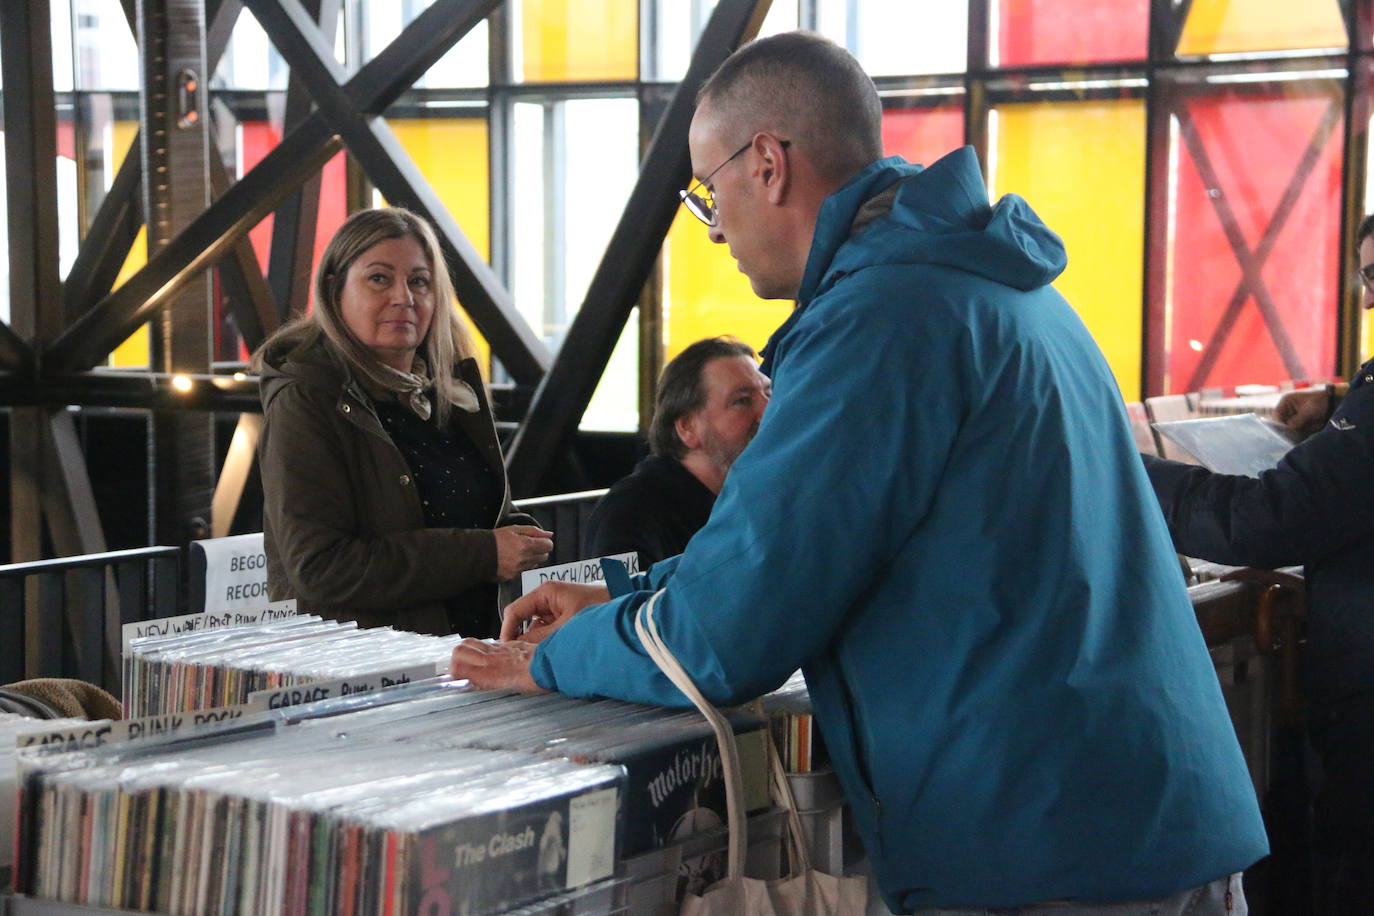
{"points": [[519, 611]]}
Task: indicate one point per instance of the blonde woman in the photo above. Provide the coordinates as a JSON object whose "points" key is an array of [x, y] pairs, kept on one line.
{"points": [[385, 497]]}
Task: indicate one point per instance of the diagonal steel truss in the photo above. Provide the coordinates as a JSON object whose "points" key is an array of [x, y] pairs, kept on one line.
{"points": [[327, 112]]}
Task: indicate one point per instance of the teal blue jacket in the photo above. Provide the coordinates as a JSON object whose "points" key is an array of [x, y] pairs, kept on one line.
{"points": [[944, 522]]}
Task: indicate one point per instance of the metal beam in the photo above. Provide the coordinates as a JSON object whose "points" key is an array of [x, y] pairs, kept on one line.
{"points": [[562, 397], [255, 308], [15, 354], [30, 123], [70, 505], [370, 140], [115, 227], [301, 153], [294, 222], [30, 126], [111, 236], [234, 476]]}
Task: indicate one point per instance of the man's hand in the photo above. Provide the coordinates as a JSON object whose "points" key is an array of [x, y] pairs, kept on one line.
{"points": [[547, 608], [1304, 411], [490, 665]]}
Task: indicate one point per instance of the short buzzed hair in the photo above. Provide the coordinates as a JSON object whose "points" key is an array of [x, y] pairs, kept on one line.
{"points": [[808, 90], [682, 391], [1365, 230]]}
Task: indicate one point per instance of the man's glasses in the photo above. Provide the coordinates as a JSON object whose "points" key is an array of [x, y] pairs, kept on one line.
{"points": [[699, 199], [1366, 272]]}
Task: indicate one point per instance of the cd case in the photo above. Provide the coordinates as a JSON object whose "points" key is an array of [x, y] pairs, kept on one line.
{"points": [[1243, 444]]}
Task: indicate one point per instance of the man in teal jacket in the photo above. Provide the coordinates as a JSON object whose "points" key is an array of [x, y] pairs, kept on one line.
{"points": [[943, 521]]}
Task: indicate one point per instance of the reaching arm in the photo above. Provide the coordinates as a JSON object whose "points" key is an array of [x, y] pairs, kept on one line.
{"points": [[1318, 499]]}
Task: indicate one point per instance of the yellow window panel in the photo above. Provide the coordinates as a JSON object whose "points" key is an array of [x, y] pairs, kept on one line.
{"points": [[1081, 165], [122, 135], [1229, 26], [706, 295], [133, 353], [1366, 336], [452, 154], [573, 40]]}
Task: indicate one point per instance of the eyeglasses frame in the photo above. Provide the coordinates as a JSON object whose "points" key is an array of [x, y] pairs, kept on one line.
{"points": [[699, 206]]}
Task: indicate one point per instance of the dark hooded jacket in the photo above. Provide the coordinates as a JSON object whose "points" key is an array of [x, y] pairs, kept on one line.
{"points": [[343, 526], [1317, 509]]}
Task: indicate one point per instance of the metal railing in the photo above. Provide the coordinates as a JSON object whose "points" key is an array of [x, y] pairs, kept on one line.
{"points": [[62, 617], [566, 516]]}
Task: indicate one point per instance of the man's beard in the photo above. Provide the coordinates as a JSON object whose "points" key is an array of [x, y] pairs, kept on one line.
{"points": [[722, 454]]}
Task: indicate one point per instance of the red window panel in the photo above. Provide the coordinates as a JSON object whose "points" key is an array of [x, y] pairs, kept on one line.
{"points": [[1255, 253], [258, 139], [1034, 32], [922, 134]]}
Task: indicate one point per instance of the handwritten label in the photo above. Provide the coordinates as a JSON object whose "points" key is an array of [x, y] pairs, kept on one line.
{"points": [[235, 572], [315, 691], [190, 623], [80, 738], [98, 734], [579, 571]]}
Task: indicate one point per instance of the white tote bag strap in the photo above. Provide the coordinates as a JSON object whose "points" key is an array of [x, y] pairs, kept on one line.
{"points": [[647, 631]]}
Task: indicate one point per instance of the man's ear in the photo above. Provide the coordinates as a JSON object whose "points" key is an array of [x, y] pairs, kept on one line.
{"points": [[775, 169], [686, 428]]}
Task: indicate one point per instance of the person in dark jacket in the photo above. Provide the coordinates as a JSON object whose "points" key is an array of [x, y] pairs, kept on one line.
{"points": [[385, 498], [709, 402], [1316, 509]]}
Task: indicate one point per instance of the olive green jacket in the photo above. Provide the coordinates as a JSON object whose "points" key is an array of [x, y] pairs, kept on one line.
{"points": [[343, 527]]}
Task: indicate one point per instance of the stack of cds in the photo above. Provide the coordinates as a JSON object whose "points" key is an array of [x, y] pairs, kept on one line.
{"points": [[215, 668], [13, 729], [355, 781], [429, 798], [295, 820], [794, 734]]}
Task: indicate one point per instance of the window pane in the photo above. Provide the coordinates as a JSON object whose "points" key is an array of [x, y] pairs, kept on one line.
{"points": [[678, 25], [1029, 32], [1257, 182], [465, 64], [1081, 165], [62, 68], [575, 163], [452, 154], [896, 37], [705, 294], [106, 55], [250, 61], [1226, 26], [133, 352], [563, 40], [922, 134]]}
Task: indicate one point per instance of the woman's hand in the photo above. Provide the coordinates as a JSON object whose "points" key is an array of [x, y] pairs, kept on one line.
{"points": [[547, 608], [520, 547]]}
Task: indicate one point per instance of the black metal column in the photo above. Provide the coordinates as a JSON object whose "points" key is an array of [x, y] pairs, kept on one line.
{"points": [[293, 224], [176, 166], [35, 289], [563, 394]]}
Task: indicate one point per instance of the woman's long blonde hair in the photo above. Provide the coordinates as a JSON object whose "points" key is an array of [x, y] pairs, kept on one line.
{"points": [[447, 342]]}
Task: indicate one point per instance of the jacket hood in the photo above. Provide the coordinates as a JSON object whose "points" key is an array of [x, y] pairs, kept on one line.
{"points": [[938, 215], [294, 359]]}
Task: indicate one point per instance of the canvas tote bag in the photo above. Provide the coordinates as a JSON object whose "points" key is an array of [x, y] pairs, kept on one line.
{"points": [[807, 892]]}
